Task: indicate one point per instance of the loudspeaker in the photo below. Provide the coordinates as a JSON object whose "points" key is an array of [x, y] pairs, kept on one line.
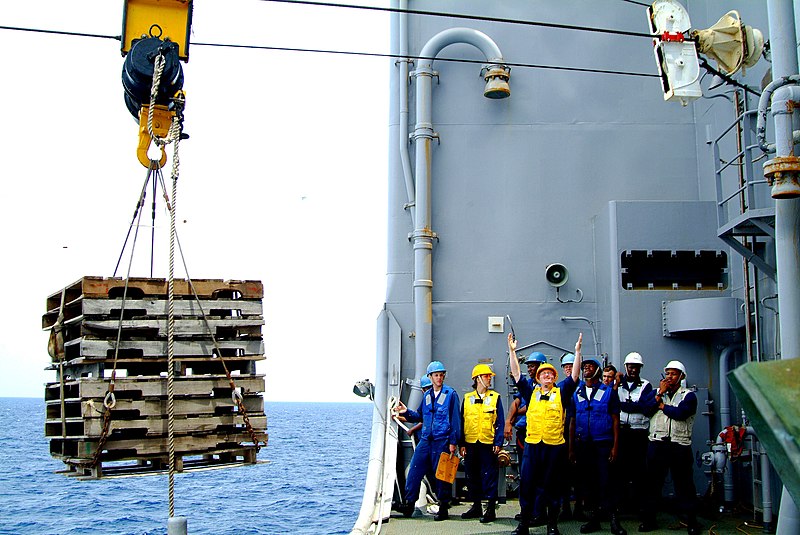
{"points": [[732, 44], [556, 274]]}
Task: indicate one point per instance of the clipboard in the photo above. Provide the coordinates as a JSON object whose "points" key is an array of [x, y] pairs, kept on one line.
{"points": [[447, 467]]}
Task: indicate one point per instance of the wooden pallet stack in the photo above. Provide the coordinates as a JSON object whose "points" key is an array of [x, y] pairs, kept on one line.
{"points": [[91, 315]]}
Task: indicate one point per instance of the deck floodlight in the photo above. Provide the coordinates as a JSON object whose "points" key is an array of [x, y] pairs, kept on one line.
{"points": [[676, 58], [364, 389], [496, 77]]}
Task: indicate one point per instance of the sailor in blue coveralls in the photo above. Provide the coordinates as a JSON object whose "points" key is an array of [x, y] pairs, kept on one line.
{"points": [[593, 445], [440, 415]]}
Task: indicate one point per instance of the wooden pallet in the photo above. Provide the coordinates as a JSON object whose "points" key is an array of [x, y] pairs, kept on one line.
{"points": [[111, 308], [132, 409], [104, 349], [155, 465], [145, 387], [138, 287], [153, 426], [81, 450], [206, 421]]}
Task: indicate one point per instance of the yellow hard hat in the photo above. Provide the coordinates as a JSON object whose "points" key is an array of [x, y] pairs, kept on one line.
{"points": [[481, 369], [546, 366]]}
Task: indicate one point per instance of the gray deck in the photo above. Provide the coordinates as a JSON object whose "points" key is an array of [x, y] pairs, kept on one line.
{"points": [[505, 523]]}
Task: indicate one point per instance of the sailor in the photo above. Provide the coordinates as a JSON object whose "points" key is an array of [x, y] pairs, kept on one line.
{"points": [[545, 448], [610, 376], [424, 385], [633, 426], [441, 430], [594, 435], [517, 417], [482, 438], [672, 408]]}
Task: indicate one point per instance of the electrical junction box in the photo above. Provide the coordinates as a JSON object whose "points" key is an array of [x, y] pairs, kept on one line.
{"points": [[496, 324]]}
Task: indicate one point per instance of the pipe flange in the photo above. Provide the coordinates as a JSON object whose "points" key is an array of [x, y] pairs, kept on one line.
{"points": [[783, 174]]}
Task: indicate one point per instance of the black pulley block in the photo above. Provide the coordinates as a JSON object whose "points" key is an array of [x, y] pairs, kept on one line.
{"points": [[137, 73]]}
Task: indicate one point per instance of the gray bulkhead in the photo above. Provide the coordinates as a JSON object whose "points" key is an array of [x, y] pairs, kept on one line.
{"points": [[575, 168]]}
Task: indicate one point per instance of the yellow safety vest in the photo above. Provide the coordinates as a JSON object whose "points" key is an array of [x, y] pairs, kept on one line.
{"points": [[545, 418], [480, 417]]}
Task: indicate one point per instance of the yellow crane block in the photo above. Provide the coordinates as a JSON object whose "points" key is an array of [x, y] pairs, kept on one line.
{"points": [[164, 19]]}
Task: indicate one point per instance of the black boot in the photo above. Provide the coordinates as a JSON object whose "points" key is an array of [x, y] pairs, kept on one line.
{"points": [[566, 513], [521, 529], [552, 521], [538, 520], [443, 513], [473, 512], [406, 509], [616, 527], [592, 525], [489, 515]]}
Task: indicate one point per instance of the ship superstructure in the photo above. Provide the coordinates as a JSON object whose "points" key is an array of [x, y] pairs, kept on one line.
{"points": [[617, 192]]}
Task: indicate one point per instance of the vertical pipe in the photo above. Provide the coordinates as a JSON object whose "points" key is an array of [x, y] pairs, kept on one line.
{"points": [[725, 413], [787, 221], [766, 490], [423, 138]]}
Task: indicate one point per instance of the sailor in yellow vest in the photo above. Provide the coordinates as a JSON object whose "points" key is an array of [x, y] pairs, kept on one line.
{"points": [[545, 457], [482, 438]]}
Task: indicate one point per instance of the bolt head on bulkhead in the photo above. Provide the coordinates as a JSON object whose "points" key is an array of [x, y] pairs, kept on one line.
{"points": [[497, 86], [783, 174]]}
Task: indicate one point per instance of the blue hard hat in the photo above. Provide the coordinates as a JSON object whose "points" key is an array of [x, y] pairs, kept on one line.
{"points": [[568, 358], [595, 360], [435, 366], [425, 382], [536, 357]]}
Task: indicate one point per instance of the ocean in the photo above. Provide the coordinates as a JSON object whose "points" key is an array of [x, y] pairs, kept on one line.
{"points": [[312, 483]]}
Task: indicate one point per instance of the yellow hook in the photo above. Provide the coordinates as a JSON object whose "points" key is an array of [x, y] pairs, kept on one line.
{"points": [[162, 119]]}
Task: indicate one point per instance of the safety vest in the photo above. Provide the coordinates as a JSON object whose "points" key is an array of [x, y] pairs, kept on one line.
{"points": [[634, 419], [662, 426], [480, 417], [545, 417], [592, 421], [435, 413]]}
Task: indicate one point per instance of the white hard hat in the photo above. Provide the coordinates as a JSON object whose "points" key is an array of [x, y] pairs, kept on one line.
{"points": [[634, 358], [676, 365]]}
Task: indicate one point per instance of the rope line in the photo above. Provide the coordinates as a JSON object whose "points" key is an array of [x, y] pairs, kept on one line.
{"points": [[463, 16], [383, 55]]}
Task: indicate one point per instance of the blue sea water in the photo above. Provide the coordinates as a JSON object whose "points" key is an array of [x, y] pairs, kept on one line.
{"points": [[312, 484]]}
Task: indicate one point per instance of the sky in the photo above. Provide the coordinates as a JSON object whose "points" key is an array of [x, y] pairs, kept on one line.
{"points": [[283, 178]]}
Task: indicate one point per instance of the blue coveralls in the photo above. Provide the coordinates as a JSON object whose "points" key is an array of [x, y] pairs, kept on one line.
{"points": [[441, 426], [594, 438]]}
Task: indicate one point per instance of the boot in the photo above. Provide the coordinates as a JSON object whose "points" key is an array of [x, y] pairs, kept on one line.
{"points": [[566, 513], [474, 512], [552, 521], [592, 525], [538, 520], [521, 529], [406, 509], [489, 515], [577, 512], [616, 527], [443, 513]]}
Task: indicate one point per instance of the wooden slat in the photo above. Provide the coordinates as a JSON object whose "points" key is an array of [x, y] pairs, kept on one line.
{"points": [[153, 307], [144, 387], [154, 407], [155, 348], [80, 428], [101, 287], [184, 445]]}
